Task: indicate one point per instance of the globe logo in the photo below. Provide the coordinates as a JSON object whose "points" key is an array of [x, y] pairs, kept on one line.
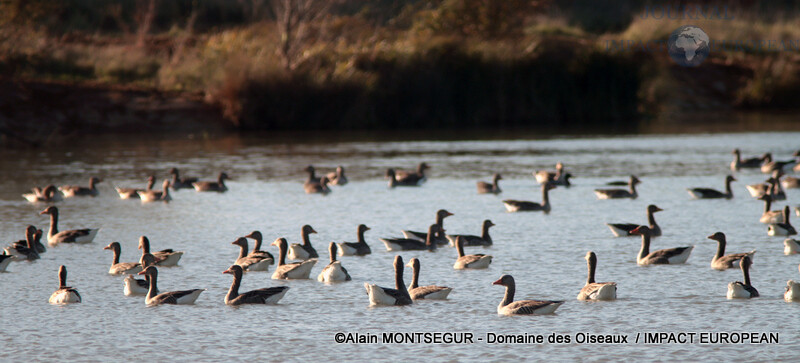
{"points": [[688, 46]]}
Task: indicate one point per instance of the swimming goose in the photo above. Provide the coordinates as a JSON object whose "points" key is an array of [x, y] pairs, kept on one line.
{"points": [[770, 216], [791, 182], [791, 246], [134, 286], [164, 258], [412, 178], [624, 229], [337, 177], [303, 251], [721, 261], [5, 260], [258, 238], [295, 270], [522, 307], [333, 272], [37, 242], [524, 206], [470, 240], [267, 295], [792, 292], [132, 193], [119, 268], [490, 188], [596, 290], [210, 186], [707, 193], [470, 261], [743, 290], [312, 178], [148, 196], [180, 183], [771, 165], [782, 229], [183, 297], [386, 296], [55, 237], [360, 248], [544, 176], [668, 256], [620, 193], [318, 188], [26, 252], [761, 189], [47, 195], [739, 163], [409, 244], [65, 294], [439, 238], [430, 292], [79, 191], [250, 262]]}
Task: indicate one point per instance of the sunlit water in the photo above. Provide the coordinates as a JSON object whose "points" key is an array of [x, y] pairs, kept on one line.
{"points": [[543, 252]]}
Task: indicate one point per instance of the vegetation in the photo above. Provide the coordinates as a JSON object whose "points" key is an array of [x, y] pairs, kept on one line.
{"points": [[298, 64]]}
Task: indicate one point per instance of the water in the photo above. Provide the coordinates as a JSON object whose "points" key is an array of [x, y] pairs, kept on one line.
{"points": [[543, 252]]}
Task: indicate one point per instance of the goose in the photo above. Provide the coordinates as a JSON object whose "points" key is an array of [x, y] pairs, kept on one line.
{"points": [[70, 191], [303, 251], [360, 248], [791, 246], [26, 251], [668, 256], [721, 261], [5, 260], [258, 238], [555, 179], [470, 240], [47, 195], [312, 178], [148, 196], [318, 188], [544, 176], [55, 237], [430, 292], [490, 188], [770, 216], [759, 190], [337, 177], [475, 261], [596, 290], [791, 182], [120, 268], [522, 307], [782, 229], [333, 272], [524, 206], [777, 191], [392, 181], [183, 297], [620, 193], [134, 286], [164, 258], [267, 295], [295, 270], [707, 193], [180, 183], [792, 292], [412, 178], [439, 238], [250, 262], [750, 163], [210, 186], [133, 193], [386, 296], [408, 244], [65, 294], [743, 290], [771, 165], [624, 229]]}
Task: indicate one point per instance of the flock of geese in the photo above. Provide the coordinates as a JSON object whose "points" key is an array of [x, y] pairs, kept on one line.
{"points": [[306, 256]]}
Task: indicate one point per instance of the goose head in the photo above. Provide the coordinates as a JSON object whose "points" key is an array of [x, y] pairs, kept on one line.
{"points": [[719, 237], [652, 208], [505, 280]]}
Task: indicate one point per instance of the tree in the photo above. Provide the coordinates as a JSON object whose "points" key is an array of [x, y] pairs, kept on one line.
{"points": [[294, 19]]}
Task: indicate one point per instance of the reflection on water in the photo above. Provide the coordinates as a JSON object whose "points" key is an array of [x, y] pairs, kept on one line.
{"points": [[544, 253]]}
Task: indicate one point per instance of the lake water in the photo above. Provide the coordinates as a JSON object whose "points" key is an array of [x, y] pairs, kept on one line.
{"points": [[543, 252]]}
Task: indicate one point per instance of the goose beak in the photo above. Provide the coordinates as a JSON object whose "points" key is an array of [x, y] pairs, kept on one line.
{"points": [[141, 272], [107, 247], [498, 282], [226, 271]]}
